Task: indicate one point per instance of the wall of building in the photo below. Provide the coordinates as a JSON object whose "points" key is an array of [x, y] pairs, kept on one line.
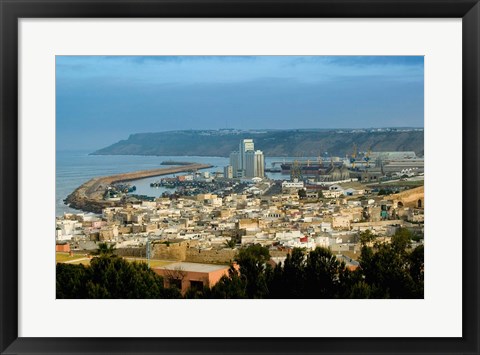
{"points": [[221, 256], [62, 247], [171, 251], [209, 279], [248, 223], [341, 222], [410, 198]]}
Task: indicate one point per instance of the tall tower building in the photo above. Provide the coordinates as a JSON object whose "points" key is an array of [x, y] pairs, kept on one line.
{"points": [[259, 164], [247, 162], [246, 145], [235, 164], [254, 164], [228, 172]]}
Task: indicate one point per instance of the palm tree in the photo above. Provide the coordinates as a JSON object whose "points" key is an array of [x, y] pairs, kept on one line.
{"points": [[105, 249], [230, 243]]}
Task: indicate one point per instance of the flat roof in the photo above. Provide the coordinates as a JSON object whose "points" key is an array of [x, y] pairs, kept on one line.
{"points": [[194, 267]]}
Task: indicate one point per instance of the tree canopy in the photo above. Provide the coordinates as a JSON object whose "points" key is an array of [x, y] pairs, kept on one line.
{"points": [[386, 270], [110, 277]]}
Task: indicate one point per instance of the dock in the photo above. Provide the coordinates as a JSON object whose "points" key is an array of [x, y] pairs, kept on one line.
{"points": [[89, 196]]}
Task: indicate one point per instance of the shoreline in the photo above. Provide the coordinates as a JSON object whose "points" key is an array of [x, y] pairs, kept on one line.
{"points": [[88, 197]]}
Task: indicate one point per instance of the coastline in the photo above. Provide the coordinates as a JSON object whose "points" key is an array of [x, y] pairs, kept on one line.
{"points": [[88, 197]]}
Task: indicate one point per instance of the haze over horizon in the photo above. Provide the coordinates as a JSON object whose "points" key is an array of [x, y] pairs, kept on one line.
{"points": [[101, 100]]}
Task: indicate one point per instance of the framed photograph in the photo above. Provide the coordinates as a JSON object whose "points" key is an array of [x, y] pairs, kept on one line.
{"points": [[239, 177]]}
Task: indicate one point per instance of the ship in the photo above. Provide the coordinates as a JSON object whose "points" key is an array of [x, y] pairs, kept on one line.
{"points": [[306, 167]]}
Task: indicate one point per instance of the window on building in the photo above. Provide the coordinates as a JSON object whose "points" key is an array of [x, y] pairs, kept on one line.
{"points": [[175, 283], [196, 285]]}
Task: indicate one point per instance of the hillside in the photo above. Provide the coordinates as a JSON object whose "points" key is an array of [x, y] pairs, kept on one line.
{"points": [[272, 143]]}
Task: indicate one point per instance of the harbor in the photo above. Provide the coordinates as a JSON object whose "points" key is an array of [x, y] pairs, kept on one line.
{"points": [[90, 196]]}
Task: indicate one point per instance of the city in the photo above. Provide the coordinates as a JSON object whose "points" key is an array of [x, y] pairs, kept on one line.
{"points": [[195, 236], [240, 177]]}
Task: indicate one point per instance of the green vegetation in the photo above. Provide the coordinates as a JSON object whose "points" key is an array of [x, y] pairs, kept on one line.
{"points": [[153, 262], [391, 270], [382, 192], [105, 249], [231, 243], [388, 270], [302, 193], [83, 261], [110, 277]]}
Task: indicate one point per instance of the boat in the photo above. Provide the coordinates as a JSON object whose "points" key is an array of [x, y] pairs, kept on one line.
{"points": [[305, 167]]}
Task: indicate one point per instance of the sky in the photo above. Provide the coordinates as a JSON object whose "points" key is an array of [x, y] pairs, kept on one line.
{"points": [[103, 99]]}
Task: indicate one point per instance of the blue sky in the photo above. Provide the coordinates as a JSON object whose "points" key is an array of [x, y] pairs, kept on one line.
{"points": [[102, 99]]}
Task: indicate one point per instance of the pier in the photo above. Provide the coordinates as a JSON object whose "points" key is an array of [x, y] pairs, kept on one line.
{"points": [[89, 196]]}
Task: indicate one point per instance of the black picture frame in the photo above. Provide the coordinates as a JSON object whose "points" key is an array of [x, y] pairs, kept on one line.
{"points": [[11, 11]]}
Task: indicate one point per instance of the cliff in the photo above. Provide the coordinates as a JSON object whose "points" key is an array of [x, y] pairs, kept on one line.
{"points": [[272, 142]]}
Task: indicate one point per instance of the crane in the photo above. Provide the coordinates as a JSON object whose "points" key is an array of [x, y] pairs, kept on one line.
{"points": [[295, 171], [367, 157], [353, 157]]}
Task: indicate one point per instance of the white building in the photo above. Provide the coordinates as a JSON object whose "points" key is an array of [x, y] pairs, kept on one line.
{"points": [[284, 236], [326, 241], [295, 184], [246, 145], [66, 229], [235, 164], [254, 164], [228, 172], [246, 162]]}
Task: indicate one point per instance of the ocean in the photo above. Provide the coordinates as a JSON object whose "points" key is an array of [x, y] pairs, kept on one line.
{"points": [[73, 168]]}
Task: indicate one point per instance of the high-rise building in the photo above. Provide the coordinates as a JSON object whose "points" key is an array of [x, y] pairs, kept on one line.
{"points": [[228, 172], [259, 164], [254, 164], [235, 164], [246, 145], [247, 162]]}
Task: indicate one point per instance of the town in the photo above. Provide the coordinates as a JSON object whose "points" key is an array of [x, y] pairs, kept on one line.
{"points": [[198, 229]]}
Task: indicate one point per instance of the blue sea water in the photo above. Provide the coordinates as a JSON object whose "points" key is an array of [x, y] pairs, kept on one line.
{"points": [[73, 168]]}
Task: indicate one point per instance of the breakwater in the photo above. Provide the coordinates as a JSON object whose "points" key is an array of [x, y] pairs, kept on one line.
{"points": [[173, 162], [89, 196]]}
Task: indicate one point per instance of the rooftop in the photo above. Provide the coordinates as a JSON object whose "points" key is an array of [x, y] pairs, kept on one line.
{"points": [[193, 267]]}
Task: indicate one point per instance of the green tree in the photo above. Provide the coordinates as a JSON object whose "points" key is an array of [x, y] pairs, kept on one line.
{"points": [[253, 265], [196, 293], [105, 249], [288, 281], [232, 286], [416, 268], [387, 270], [122, 279], [323, 273], [360, 290], [401, 239], [366, 237], [231, 243], [71, 280], [302, 193], [110, 277]]}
